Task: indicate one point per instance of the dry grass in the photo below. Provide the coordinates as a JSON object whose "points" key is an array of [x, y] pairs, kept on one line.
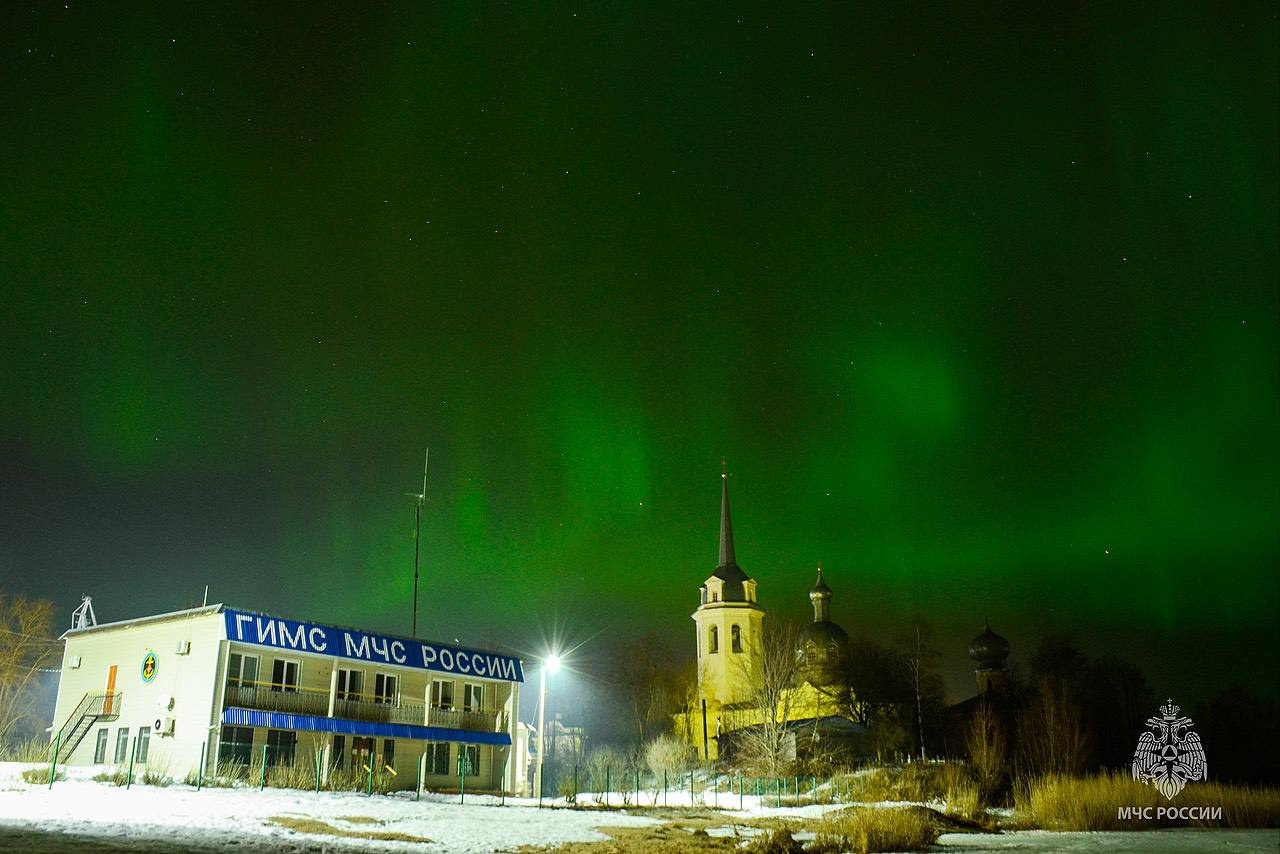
{"points": [[116, 777], [866, 829], [1092, 803], [918, 782], [40, 775], [322, 828], [24, 750]]}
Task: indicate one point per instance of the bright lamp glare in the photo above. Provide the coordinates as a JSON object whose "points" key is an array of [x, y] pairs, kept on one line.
{"points": [[553, 664]]}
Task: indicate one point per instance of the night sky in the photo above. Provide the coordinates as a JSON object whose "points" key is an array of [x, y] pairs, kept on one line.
{"points": [[979, 304]]}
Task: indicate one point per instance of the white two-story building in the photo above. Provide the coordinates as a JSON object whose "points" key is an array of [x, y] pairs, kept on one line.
{"points": [[239, 688]]}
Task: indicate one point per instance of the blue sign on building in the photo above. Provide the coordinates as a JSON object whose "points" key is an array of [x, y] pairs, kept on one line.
{"points": [[277, 632]]}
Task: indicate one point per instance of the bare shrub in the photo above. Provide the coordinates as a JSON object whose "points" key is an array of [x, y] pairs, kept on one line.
{"points": [[603, 765], [667, 754]]}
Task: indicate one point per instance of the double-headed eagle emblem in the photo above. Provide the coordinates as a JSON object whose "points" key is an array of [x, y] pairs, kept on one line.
{"points": [[1170, 755]]}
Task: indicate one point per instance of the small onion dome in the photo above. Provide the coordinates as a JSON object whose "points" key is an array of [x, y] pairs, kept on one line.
{"points": [[820, 589], [989, 649]]}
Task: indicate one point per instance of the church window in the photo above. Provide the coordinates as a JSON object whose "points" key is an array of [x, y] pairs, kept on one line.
{"points": [[713, 645], [715, 597], [735, 635]]}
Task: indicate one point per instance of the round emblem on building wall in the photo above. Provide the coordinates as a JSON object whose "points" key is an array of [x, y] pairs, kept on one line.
{"points": [[149, 666]]}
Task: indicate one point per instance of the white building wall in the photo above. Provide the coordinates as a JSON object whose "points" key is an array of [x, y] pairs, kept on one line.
{"points": [[183, 687]]}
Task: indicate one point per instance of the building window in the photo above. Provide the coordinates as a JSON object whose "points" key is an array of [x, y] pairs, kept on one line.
{"points": [[713, 644], [100, 749], [470, 754], [361, 753], [236, 746], [438, 758], [472, 697], [385, 688], [735, 638], [284, 675], [144, 744], [715, 597], [242, 669], [281, 744], [350, 684], [339, 748], [442, 694], [389, 752], [122, 745]]}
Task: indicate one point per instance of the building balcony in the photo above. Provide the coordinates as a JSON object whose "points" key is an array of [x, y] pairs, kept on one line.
{"points": [[358, 707]]}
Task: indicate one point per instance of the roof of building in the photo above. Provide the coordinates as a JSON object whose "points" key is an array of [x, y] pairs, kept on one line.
{"points": [[824, 632], [820, 588], [152, 618], [728, 570]]}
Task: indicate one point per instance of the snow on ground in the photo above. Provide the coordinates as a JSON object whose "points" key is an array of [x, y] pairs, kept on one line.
{"points": [[175, 813], [79, 811]]}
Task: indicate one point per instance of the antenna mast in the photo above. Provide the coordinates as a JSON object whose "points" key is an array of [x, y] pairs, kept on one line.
{"points": [[417, 538]]}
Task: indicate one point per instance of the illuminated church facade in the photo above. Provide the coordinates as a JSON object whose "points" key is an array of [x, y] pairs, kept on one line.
{"points": [[729, 623]]}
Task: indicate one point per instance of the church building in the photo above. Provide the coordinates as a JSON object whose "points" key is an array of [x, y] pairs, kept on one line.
{"points": [[729, 624]]}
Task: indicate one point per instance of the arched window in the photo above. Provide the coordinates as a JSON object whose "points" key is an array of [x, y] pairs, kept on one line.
{"points": [[735, 638], [713, 644]]}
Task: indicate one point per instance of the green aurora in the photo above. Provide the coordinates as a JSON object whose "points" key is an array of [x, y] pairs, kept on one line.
{"points": [[980, 305]]}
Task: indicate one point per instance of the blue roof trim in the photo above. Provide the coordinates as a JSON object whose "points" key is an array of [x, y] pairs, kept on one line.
{"points": [[342, 726]]}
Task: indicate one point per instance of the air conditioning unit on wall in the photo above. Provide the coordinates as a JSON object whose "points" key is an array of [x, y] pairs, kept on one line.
{"points": [[184, 647], [168, 726]]}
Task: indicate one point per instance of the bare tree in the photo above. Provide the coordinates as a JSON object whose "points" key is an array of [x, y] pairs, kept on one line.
{"points": [[988, 749], [645, 684], [26, 646], [920, 659], [772, 674], [1051, 738]]}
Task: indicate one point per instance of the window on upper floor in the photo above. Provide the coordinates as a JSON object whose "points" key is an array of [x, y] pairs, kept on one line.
{"points": [[442, 694], [350, 684], [735, 638], [713, 639]]}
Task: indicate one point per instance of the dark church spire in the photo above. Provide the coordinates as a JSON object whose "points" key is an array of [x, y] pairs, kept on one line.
{"points": [[726, 524]]}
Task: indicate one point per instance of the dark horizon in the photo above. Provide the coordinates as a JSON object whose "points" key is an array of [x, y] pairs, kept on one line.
{"points": [[979, 304]]}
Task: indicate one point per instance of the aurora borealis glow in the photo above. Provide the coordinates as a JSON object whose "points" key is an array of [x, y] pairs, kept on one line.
{"points": [[981, 307]]}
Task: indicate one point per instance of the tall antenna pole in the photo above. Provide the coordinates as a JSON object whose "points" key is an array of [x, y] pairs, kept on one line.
{"points": [[417, 539]]}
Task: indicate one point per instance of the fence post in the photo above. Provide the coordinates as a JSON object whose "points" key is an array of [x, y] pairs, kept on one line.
{"points": [[128, 783], [462, 777], [607, 769], [200, 771], [53, 766], [417, 786], [262, 783], [739, 791], [664, 787], [778, 781], [575, 784], [317, 771], [715, 789]]}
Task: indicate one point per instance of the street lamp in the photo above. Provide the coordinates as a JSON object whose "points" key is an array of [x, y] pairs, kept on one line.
{"points": [[550, 663]]}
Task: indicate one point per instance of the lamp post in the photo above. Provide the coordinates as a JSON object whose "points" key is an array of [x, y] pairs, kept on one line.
{"points": [[551, 663]]}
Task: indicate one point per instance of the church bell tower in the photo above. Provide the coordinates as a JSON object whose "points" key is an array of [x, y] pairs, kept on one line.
{"points": [[728, 622]]}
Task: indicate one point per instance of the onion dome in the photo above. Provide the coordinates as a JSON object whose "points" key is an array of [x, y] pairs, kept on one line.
{"points": [[989, 649]]}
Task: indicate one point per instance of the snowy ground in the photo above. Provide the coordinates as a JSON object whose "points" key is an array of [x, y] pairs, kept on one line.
{"points": [[79, 814]]}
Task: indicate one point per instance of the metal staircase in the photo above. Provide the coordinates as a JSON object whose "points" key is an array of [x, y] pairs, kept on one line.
{"points": [[91, 709]]}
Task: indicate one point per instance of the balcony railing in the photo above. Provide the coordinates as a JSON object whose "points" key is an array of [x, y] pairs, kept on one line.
{"points": [[360, 707]]}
